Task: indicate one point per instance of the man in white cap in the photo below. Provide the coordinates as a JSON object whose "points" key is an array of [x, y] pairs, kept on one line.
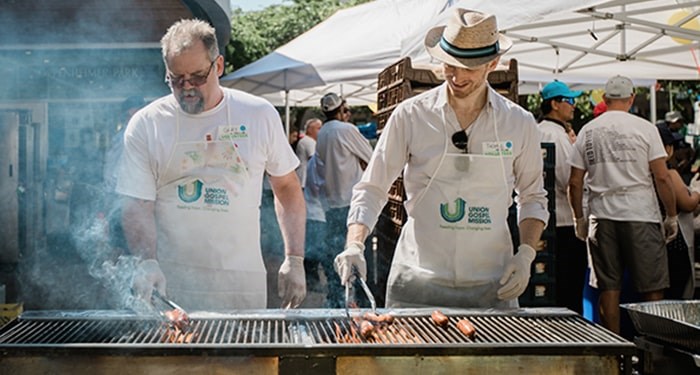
{"points": [[463, 149], [342, 152], [624, 158], [570, 256]]}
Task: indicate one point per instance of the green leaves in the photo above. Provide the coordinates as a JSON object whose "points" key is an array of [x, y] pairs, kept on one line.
{"points": [[255, 34]]}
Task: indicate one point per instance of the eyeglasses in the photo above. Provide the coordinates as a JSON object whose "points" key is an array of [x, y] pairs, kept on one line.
{"points": [[461, 140], [571, 101], [346, 110], [195, 80]]}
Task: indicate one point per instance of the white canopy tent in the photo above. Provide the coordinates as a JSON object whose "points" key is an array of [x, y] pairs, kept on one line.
{"points": [[349, 48], [581, 42]]}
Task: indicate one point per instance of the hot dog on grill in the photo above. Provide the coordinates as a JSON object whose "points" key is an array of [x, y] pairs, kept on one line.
{"points": [[466, 328], [366, 329], [378, 318], [439, 318]]}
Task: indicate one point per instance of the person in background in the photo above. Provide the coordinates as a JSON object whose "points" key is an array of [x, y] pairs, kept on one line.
{"points": [[191, 178], [683, 155], [624, 158], [558, 105], [341, 149], [113, 156], [599, 108], [316, 230], [306, 146], [681, 251], [463, 149], [315, 220]]}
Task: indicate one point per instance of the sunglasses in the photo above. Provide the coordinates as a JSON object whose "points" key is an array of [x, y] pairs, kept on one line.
{"points": [[461, 140], [195, 80], [571, 101]]}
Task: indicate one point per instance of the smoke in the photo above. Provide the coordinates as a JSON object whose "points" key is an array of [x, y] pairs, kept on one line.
{"points": [[67, 68]]}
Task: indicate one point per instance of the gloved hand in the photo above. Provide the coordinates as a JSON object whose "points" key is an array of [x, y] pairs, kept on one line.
{"points": [[517, 273], [581, 228], [147, 277], [695, 183], [670, 228], [291, 281], [353, 255]]}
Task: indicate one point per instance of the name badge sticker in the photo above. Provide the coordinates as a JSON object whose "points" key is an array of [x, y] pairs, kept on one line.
{"points": [[231, 132], [504, 148]]}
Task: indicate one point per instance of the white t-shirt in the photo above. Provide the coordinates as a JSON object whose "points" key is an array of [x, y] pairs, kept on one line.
{"points": [[305, 148], [616, 148], [341, 147], [555, 133], [417, 135], [252, 122], [314, 193]]}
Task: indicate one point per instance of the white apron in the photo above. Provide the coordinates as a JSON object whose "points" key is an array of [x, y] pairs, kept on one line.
{"points": [[454, 246], [208, 243]]}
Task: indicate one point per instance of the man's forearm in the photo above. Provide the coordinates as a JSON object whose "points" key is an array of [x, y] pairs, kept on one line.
{"points": [[575, 193], [530, 231], [138, 221], [357, 233], [291, 212]]}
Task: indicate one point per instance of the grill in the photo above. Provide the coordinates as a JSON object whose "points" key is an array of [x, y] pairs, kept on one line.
{"points": [[553, 341], [669, 334]]}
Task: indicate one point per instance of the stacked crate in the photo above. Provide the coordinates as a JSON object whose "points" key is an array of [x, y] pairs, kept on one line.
{"points": [[542, 288], [396, 83]]}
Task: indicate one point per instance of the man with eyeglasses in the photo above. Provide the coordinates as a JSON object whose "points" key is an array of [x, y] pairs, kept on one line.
{"points": [[558, 106], [341, 150], [192, 176], [463, 149]]}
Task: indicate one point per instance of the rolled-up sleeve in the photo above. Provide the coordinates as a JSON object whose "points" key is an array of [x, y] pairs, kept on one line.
{"points": [[531, 197]]}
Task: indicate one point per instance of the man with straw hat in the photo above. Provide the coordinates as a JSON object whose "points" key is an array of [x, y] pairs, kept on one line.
{"points": [[463, 149]]}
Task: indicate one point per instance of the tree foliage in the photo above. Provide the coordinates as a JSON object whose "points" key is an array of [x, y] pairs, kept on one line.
{"points": [[255, 34]]}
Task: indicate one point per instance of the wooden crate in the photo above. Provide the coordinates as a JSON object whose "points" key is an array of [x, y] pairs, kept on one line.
{"points": [[402, 71]]}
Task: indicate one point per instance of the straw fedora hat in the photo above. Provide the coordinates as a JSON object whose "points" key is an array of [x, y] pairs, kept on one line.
{"points": [[469, 39]]}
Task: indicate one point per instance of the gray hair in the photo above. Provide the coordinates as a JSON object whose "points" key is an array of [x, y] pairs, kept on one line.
{"points": [[309, 122], [183, 34]]}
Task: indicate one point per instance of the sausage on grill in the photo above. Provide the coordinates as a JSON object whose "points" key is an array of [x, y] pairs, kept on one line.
{"points": [[439, 318], [366, 329], [466, 327], [378, 318]]}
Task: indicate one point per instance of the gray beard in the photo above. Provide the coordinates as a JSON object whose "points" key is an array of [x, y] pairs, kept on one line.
{"points": [[191, 108]]}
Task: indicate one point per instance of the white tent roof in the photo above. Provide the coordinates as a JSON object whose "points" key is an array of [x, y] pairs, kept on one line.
{"points": [[552, 39], [348, 49]]}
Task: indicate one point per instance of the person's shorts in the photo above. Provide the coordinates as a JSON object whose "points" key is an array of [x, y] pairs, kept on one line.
{"points": [[636, 247]]}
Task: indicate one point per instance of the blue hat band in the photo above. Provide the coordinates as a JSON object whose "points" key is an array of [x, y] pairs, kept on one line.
{"points": [[469, 52]]}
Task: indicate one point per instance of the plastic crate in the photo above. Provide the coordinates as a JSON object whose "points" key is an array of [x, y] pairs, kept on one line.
{"points": [[9, 311]]}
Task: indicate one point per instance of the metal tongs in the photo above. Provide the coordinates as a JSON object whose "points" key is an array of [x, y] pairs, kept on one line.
{"points": [[365, 288], [181, 322]]}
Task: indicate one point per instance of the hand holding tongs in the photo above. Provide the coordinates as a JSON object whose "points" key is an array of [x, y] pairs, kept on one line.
{"points": [[177, 317]]}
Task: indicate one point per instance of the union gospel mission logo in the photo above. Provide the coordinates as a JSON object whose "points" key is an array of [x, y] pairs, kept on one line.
{"points": [[455, 213], [212, 199]]}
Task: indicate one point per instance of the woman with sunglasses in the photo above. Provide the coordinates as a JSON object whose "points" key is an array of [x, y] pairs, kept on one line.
{"points": [[558, 106]]}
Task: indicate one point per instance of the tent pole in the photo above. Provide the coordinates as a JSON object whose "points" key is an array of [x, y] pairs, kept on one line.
{"points": [[286, 112], [652, 102]]}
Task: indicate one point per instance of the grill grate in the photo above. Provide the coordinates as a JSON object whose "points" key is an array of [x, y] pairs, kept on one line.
{"points": [[409, 328]]}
